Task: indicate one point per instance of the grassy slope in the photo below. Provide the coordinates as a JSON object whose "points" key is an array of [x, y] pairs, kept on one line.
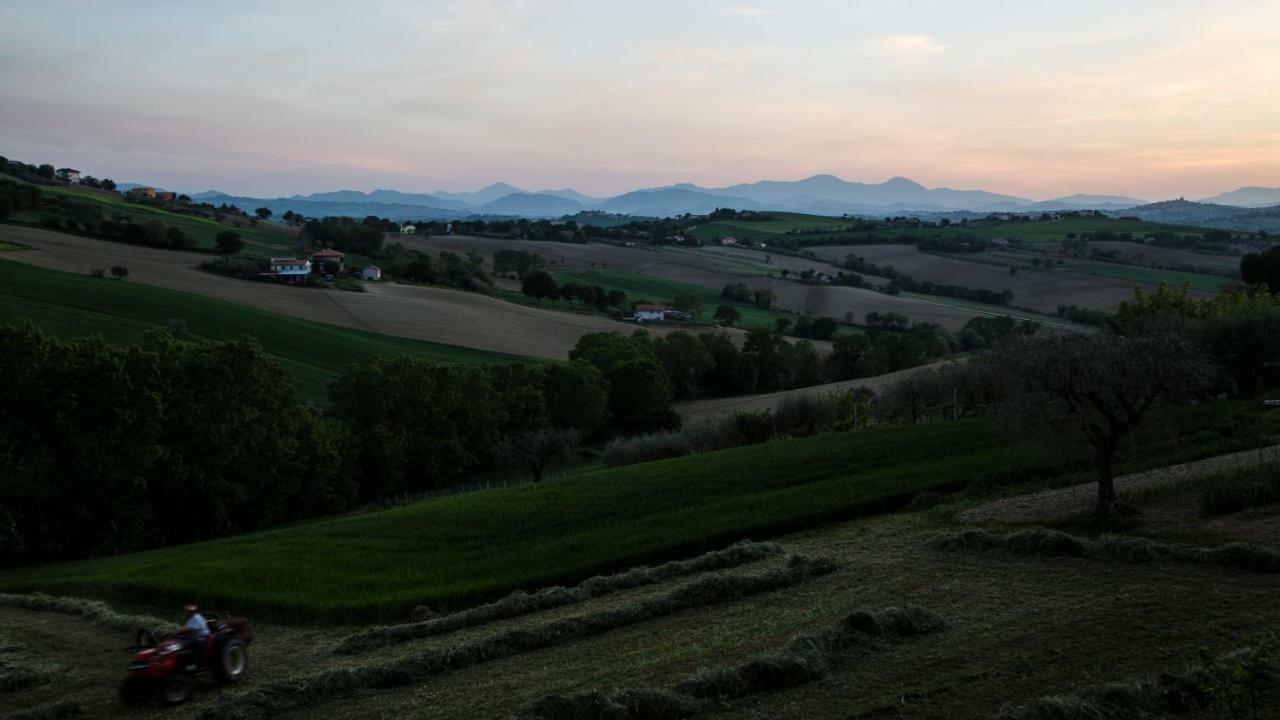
{"points": [[67, 305], [460, 549], [202, 230]]}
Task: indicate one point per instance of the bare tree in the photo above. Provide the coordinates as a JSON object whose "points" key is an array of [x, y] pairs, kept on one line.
{"points": [[1103, 385], [534, 450]]}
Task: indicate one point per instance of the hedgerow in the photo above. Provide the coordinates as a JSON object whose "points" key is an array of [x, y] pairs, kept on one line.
{"points": [[521, 603], [271, 699], [805, 659]]}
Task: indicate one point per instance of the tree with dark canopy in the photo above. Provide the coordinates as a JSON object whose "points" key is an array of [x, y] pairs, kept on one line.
{"points": [[1104, 386]]}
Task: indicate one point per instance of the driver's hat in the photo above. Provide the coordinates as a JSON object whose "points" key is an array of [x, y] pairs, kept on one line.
{"points": [[189, 608]]}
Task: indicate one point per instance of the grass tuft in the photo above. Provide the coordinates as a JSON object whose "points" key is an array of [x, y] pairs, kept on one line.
{"points": [[52, 711]]}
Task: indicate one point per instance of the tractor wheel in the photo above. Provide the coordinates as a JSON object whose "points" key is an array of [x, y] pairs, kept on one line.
{"points": [[135, 691], [175, 690], [232, 662]]}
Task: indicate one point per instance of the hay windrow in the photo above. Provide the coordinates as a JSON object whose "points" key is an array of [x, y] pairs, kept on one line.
{"points": [[1041, 542], [270, 699], [805, 659], [98, 613], [521, 603], [20, 670], [1193, 691]]}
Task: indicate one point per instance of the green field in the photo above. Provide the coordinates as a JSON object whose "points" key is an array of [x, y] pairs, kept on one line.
{"points": [[457, 550], [6, 246], [649, 288], [1031, 232], [1198, 281], [258, 240], [70, 305]]}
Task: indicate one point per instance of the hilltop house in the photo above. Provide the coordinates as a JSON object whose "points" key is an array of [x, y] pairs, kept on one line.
{"points": [[371, 272], [651, 313], [69, 175], [408, 229], [291, 270], [327, 255]]}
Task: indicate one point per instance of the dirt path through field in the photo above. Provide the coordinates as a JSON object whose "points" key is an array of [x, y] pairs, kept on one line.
{"points": [[697, 411], [1050, 505]]}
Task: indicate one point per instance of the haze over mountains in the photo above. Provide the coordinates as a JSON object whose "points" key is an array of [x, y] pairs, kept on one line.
{"points": [[819, 194]]}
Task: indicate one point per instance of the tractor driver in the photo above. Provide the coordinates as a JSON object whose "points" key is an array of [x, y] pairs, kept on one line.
{"points": [[195, 630]]}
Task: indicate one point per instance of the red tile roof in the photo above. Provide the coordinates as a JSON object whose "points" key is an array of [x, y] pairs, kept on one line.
{"points": [[652, 308], [328, 253]]}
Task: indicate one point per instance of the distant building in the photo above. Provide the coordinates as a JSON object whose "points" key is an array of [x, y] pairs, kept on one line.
{"points": [[652, 313], [69, 175], [999, 242], [141, 193], [327, 255], [371, 272], [408, 229], [291, 270], [729, 240]]}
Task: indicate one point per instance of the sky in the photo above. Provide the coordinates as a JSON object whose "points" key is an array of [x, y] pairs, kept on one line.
{"points": [[1031, 98]]}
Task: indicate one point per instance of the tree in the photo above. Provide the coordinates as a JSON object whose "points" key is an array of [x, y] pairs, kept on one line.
{"points": [[781, 324], [727, 315], [540, 286], [1262, 269], [763, 298], [263, 213], [1103, 386], [534, 450], [108, 184], [575, 396], [685, 360], [691, 304], [119, 272], [229, 242]]}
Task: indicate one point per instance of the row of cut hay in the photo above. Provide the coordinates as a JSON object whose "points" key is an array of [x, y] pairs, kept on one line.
{"points": [[1217, 684], [805, 659], [19, 670], [98, 613], [271, 699], [521, 603], [1123, 548], [53, 711]]}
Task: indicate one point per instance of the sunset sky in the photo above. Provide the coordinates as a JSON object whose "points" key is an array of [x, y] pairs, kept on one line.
{"points": [[1037, 99]]}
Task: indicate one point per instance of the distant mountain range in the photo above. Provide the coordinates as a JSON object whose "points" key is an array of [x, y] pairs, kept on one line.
{"points": [[820, 194]]}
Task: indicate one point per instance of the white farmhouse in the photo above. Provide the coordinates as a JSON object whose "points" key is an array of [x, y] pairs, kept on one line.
{"points": [[652, 313], [291, 270], [408, 229]]}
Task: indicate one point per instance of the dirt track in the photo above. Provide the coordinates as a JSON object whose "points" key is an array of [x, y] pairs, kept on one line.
{"points": [[432, 314], [697, 411]]}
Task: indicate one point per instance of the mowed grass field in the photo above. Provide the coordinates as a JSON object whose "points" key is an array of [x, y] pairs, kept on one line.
{"points": [[264, 239], [455, 551], [70, 305]]}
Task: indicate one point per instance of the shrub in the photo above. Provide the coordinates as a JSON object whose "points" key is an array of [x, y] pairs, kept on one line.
{"points": [[349, 285], [643, 448], [97, 272], [246, 268], [803, 415]]}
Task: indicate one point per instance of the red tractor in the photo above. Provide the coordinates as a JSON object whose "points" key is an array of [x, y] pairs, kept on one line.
{"points": [[166, 668]]}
